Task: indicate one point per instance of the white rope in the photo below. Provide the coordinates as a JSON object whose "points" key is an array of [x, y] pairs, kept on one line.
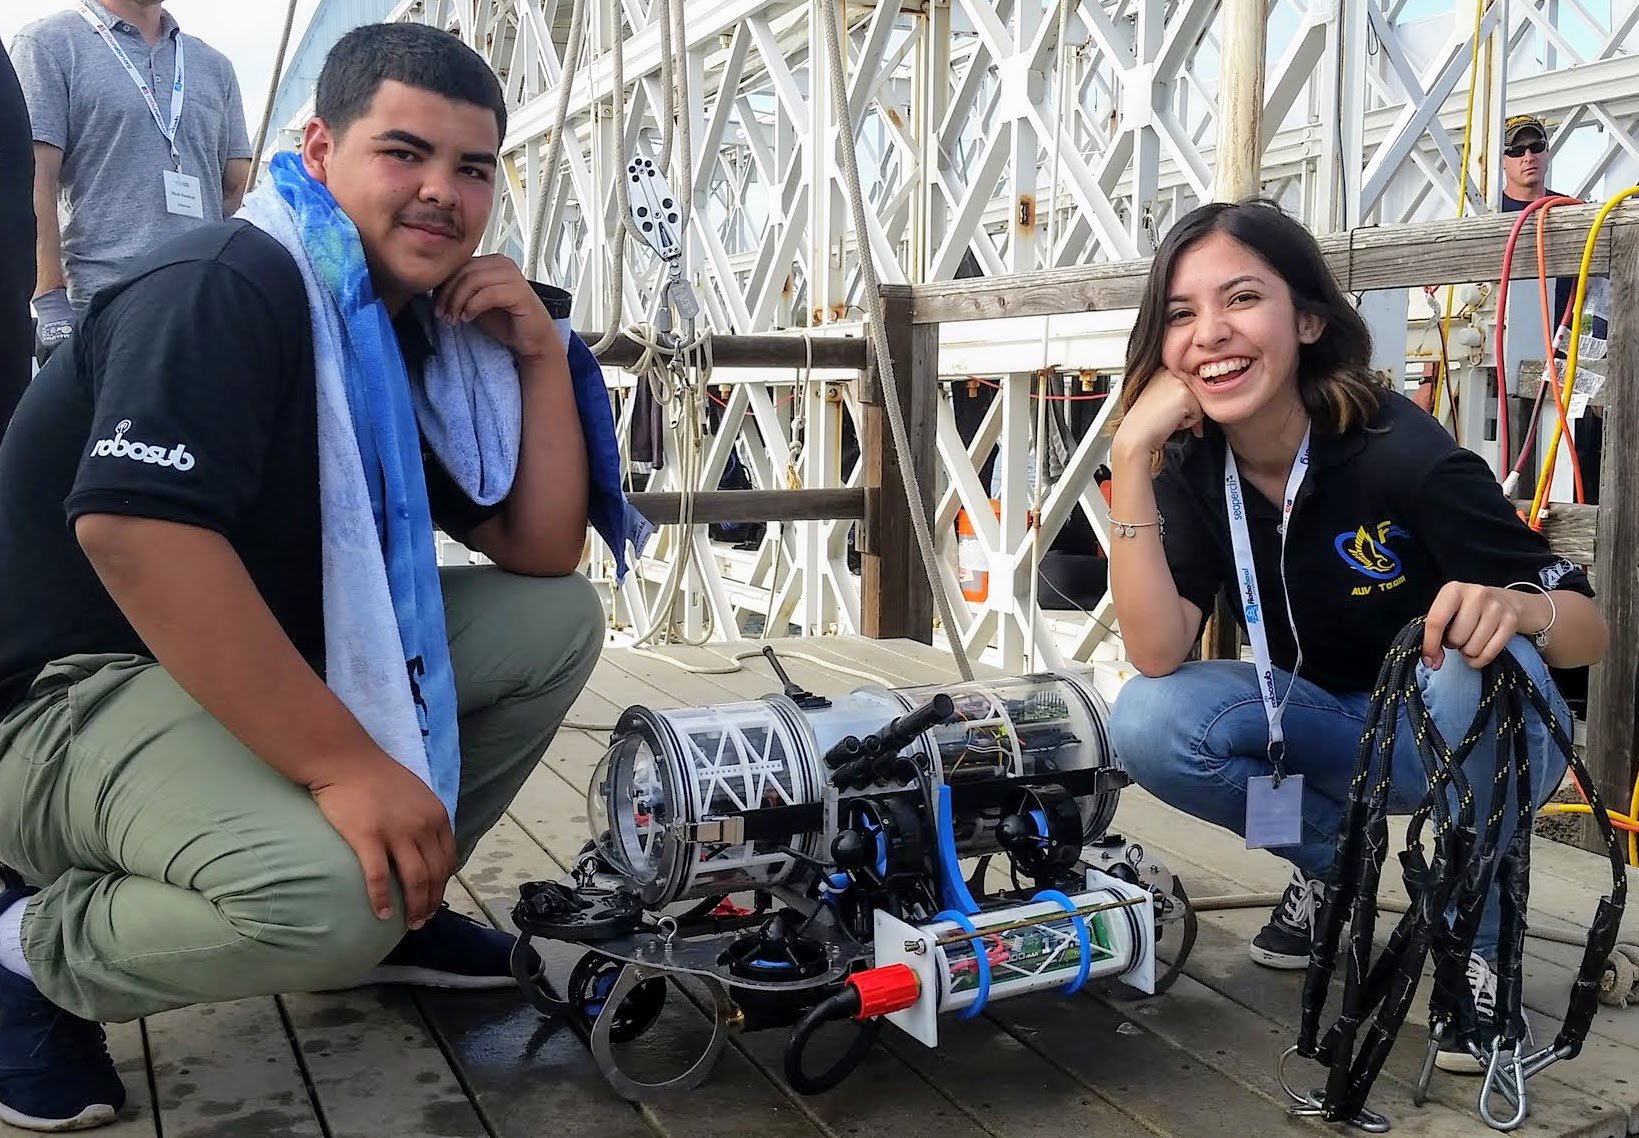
{"points": [[623, 202], [554, 147], [879, 346], [272, 90], [668, 84], [1041, 390], [732, 665], [685, 135], [674, 116], [799, 418], [676, 370], [677, 374]]}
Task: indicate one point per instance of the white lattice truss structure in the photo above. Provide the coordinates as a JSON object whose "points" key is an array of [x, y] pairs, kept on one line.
{"points": [[994, 138]]}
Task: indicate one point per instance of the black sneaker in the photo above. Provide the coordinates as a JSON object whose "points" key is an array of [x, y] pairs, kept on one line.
{"points": [[450, 951], [1284, 941], [55, 1070], [1482, 982]]}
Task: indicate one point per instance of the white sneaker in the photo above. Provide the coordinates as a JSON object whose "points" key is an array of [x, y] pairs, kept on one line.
{"points": [[1482, 982]]}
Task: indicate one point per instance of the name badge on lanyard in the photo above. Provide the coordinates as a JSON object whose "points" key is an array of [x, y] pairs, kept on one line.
{"points": [[1274, 803], [184, 194]]}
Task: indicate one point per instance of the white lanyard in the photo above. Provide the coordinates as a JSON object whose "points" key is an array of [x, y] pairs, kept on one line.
{"points": [[178, 87], [1247, 582]]}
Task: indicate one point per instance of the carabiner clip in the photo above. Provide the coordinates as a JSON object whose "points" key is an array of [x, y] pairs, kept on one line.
{"points": [[1419, 1092], [1536, 1063], [1313, 1104], [1508, 1077], [1299, 1099]]}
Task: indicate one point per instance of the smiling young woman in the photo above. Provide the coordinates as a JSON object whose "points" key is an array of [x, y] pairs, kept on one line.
{"points": [[1255, 450]]}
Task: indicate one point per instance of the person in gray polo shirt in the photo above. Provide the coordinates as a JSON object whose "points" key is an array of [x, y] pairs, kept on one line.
{"points": [[139, 135]]}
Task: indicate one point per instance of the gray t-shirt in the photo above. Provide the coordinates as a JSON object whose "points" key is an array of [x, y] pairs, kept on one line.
{"points": [[82, 101]]}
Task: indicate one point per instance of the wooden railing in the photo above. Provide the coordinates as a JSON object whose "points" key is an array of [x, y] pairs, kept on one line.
{"points": [[1399, 257], [896, 597]]}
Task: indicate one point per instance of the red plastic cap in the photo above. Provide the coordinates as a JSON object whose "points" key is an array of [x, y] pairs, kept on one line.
{"points": [[891, 988]]}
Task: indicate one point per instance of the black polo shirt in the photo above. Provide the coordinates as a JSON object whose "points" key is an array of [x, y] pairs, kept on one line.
{"points": [[188, 395], [1387, 515]]}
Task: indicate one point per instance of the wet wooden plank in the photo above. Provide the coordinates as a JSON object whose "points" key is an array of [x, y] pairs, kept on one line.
{"points": [[591, 711], [527, 1074], [1556, 904], [1244, 1046], [1005, 1087], [1138, 1072], [737, 1099], [915, 661], [229, 1069], [626, 678], [979, 1077], [1569, 1100], [1601, 1073], [1547, 985], [1226, 1034], [1549, 966], [881, 1097], [752, 678], [376, 1068], [550, 808]]}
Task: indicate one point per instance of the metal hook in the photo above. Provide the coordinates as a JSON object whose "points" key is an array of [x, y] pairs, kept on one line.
{"points": [[1419, 1093], [1535, 1064], [1514, 1090], [1313, 1104], [585, 869], [1291, 1093]]}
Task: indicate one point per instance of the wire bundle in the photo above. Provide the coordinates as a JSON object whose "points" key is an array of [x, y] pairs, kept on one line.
{"points": [[1453, 875]]}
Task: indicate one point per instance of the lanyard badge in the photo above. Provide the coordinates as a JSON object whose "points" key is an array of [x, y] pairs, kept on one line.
{"points": [[179, 86], [1274, 803]]}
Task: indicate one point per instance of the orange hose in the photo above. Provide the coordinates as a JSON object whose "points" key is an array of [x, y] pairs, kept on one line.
{"points": [[1553, 371]]}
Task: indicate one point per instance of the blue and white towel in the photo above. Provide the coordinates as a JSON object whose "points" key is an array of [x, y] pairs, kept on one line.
{"points": [[386, 650]]}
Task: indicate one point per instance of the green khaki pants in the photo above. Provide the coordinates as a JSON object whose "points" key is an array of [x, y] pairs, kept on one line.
{"points": [[178, 868]]}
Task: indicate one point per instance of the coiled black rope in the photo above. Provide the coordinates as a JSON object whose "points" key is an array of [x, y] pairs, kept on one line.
{"points": [[1452, 874]]}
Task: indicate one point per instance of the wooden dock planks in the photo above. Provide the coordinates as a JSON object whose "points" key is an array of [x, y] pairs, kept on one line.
{"points": [[460, 1065]]}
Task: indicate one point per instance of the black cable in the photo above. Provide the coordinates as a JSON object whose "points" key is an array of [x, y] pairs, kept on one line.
{"points": [[840, 1006], [1455, 874]]}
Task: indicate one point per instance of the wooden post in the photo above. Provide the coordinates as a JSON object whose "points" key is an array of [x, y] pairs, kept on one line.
{"points": [[1613, 684], [1238, 161], [896, 598], [1238, 169]]}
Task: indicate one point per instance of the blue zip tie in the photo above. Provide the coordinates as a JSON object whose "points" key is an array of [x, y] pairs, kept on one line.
{"points": [[1080, 923], [982, 996]]}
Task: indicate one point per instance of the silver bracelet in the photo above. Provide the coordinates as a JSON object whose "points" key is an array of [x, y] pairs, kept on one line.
{"points": [[1540, 636], [1130, 529]]}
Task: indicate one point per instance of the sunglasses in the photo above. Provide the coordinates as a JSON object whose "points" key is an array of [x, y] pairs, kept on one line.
{"points": [[1524, 148]]}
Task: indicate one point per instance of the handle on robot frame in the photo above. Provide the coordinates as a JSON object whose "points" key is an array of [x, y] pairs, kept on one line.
{"points": [[899, 734]]}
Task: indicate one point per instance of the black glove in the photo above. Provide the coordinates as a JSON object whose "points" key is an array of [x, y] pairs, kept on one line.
{"points": [[56, 322]]}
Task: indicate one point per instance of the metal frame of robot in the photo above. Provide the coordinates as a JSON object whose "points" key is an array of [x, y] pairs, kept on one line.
{"points": [[862, 911]]}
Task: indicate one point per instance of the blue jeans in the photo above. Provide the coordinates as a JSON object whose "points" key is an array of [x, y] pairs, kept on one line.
{"points": [[1194, 738]]}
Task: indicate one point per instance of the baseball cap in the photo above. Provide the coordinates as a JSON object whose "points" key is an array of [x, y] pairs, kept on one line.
{"points": [[1519, 124]]}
